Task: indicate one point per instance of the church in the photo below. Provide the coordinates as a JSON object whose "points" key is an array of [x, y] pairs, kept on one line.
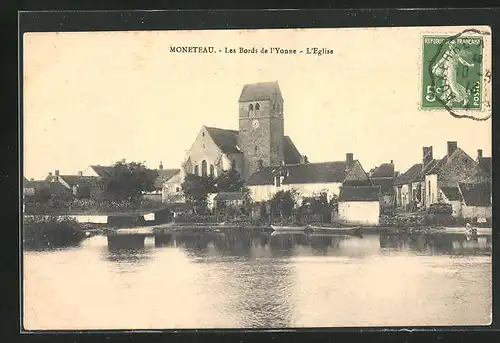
{"points": [[265, 157]]}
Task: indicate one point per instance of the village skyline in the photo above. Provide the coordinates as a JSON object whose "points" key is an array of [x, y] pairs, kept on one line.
{"points": [[98, 98]]}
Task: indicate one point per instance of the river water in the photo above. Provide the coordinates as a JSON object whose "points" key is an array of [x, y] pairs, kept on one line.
{"points": [[235, 280]]}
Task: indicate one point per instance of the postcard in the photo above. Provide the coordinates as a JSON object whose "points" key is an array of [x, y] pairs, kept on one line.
{"points": [[257, 179]]}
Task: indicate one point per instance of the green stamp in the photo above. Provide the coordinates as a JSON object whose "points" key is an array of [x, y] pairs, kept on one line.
{"points": [[452, 72]]}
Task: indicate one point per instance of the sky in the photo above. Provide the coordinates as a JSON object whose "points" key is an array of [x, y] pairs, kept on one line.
{"points": [[99, 97]]}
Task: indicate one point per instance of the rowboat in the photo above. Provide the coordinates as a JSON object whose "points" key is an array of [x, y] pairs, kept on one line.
{"points": [[469, 230], [288, 228], [338, 230]]}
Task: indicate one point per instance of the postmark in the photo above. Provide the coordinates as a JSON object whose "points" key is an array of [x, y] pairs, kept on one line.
{"points": [[454, 75]]}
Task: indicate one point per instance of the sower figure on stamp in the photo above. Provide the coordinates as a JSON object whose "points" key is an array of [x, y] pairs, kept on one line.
{"points": [[446, 69]]}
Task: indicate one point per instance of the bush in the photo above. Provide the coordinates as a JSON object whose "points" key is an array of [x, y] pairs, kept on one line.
{"points": [[42, 232], [440, 208]]}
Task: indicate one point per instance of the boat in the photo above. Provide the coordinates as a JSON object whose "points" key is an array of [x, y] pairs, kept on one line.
{"points": [[468, 230], [339, 230], [288, 228]]}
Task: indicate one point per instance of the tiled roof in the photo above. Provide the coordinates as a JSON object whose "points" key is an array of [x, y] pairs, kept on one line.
{"points": [[360, 193], [230, 196], [292, 155], [384, 170], [386, 184], [261, 91], [452, 193], [226, 140], [485, 164], [326, 172], [409, 175], [103, 170], [72, 180], [164, 175], [476, 194]]}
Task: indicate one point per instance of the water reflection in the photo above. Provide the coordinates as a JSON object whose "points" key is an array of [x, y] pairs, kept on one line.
{"points": [[437, 244]]}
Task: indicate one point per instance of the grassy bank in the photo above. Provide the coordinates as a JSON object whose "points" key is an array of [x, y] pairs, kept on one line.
{"points": [[51, 232]]}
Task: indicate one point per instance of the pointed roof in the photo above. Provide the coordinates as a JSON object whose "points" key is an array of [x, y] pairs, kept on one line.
{"points": [[163, 176], [452, 193], [384, 170], [230, 196], [476, 194], [73, 180], [261, 91], [292, 155], [226, 140], [359, 193], [485, 164], [409, 175], [103, 170]]}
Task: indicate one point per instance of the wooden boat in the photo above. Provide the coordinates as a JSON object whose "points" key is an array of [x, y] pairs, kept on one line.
{"points": [[288, 228], [468, 230], [338, 230]]}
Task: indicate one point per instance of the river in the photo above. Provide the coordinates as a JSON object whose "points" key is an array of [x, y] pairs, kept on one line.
{"points": [[235, 280]]}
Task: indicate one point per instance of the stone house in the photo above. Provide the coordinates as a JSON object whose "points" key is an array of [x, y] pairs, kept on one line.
{"points": [[307, 179], [359, 205]]}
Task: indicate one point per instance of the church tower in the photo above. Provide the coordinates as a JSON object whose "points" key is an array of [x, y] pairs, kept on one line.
{"points": [[261, 129]]}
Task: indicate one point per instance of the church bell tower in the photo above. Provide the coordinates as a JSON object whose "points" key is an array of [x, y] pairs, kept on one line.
{"points": [[261, 129]]}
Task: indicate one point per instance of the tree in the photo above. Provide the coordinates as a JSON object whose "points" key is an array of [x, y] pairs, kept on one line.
{"points": [[230, 181], [283, 203], [196, 189], [128, 180]]}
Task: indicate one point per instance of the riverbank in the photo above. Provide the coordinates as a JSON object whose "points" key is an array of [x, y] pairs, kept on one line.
{"points": [[51, 232]]}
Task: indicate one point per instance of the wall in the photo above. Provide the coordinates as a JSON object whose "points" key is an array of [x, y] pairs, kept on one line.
{"points": [[431, 190], [476, 211], [172, 189], [405, 196], [204, 148], [267, 138], [456, 205], [360, 212], [266, 192]]}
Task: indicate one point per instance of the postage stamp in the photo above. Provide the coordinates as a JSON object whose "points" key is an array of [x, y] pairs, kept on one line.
{"points": [[453, 72]]}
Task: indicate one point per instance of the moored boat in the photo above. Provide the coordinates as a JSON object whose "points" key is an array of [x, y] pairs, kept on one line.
{"points": [[289, 228]]}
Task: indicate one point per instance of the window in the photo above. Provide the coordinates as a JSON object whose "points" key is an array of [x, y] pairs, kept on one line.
{"points": [[203, 134], [203, 146], [196, 170], [204, 168], [278, 108], [429, 186], [250, 107], [277, 181], [257, 107], [211, 170], [274, 107], [177, 189], [256, 148]]}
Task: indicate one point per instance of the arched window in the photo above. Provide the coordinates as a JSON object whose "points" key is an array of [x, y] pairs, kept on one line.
{"points": [[211, 170], [203, 168], [250, 107], [257, 106], [278, 109], [196, 170]]}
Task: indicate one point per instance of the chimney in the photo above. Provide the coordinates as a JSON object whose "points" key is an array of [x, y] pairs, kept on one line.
{"points": [[303, 159], [392, 161], [56, 173], [479, 154], [161, 165], [349, 159], [80, 173], [452, 146], [427, 155]]}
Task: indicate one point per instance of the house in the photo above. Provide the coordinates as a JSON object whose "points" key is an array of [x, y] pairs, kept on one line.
{"points": [[44, 190], [231, 199], [359, 205], [82, 187], [409, 185], [307, 178], [476, 201], [454, 168], [159, 193], [385, 176]]}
